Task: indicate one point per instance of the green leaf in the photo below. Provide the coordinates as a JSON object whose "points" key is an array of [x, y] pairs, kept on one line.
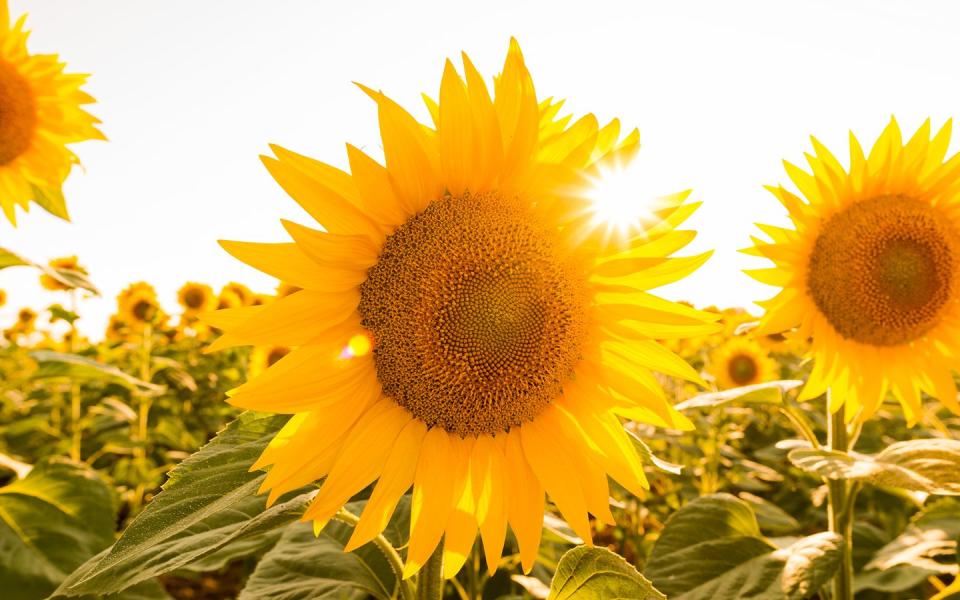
{"points": [[596, 573], [304, 566], [51, 200], [928, 465], [52, 364], [772, 519], [73, 279], [770, 392], [648, 457], [51, 521], [58, 312], [917, 552], [208, 501], [712, 548]]}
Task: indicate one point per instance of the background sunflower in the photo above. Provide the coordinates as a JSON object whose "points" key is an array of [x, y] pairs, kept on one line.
{"points": [[42, 113]]}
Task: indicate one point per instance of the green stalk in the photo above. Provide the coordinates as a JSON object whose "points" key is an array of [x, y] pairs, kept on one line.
{"points": [[75, 406], [407, 591], [840, 508], [430, 579]]}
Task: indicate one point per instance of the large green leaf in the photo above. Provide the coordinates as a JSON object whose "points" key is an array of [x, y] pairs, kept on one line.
{"points": [[208, 501], [770, 392], [51, 521], [926, 547], [928, 465], [712, 548], [52, 364], [73, 279], [303, 566], [598, 574]]}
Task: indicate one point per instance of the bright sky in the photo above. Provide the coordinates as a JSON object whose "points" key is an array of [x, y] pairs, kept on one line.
{"points": [[191, 92]]}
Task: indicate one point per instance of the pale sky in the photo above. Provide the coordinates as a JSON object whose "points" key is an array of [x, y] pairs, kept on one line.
{"points": [[190, 92]]}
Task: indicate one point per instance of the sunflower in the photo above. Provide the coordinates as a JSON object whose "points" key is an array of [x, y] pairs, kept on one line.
{"points": [[26, 320], [741, 361], [196, 298], [242, 293], [42, 113], [464, 327], [67, 263], [264, 357], [137, 305], [871, 271], [116, 330], [3, 297]]}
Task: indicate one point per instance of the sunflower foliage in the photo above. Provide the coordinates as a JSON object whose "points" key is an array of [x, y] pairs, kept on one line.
{"points": [[735, 505]]}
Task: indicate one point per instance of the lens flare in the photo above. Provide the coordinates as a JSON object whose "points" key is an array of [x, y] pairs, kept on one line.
{"points": [[359, 345], [619, 201]]}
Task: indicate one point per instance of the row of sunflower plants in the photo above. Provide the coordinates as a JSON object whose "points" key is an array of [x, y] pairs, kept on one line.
{"points": [[737, 487]]}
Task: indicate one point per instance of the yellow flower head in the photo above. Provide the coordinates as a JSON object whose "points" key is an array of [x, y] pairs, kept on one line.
{"points": [[463, 326], [871, 271], [264, 357], [228, 298], [3, 297], [740, 362], [138, 305], [42, 113], [26, 320], [67, 263], [244, 294], [117, 330], [196, 298]]}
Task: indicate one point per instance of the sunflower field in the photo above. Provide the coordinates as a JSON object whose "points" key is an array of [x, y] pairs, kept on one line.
{"points": [[466, 383]]}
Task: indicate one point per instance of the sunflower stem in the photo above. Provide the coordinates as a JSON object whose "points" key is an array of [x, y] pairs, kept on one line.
{"points": [[76, 438], [407, 591], [430, 579], [840, 509]]}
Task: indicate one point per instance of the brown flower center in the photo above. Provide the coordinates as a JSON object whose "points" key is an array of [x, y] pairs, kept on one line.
{"points": [[18, 115], [742, 369], [194, 298], [883, 269], [477, 319]]}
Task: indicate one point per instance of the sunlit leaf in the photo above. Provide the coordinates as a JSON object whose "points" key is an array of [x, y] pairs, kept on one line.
{"points": [[51, 521], [598, 574], [927, 465], [208, 501], [770, 392], [712, 548], [52, 364], [648, 457], [70, 278]]}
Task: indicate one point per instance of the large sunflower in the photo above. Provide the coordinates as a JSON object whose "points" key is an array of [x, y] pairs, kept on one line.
{"points": [[40, 113], [871, 271], [507, 334]]}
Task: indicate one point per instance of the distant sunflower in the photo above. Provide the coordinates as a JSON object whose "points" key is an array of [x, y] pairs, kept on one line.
{"points": [[229, 299], [41, 108], [264, 357], [741, 361], [26, 320], [464, 328], [3, 297], [196, 298], [67, 263], [242, 292], [871, 271], [138, 305], [117, 330]]}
